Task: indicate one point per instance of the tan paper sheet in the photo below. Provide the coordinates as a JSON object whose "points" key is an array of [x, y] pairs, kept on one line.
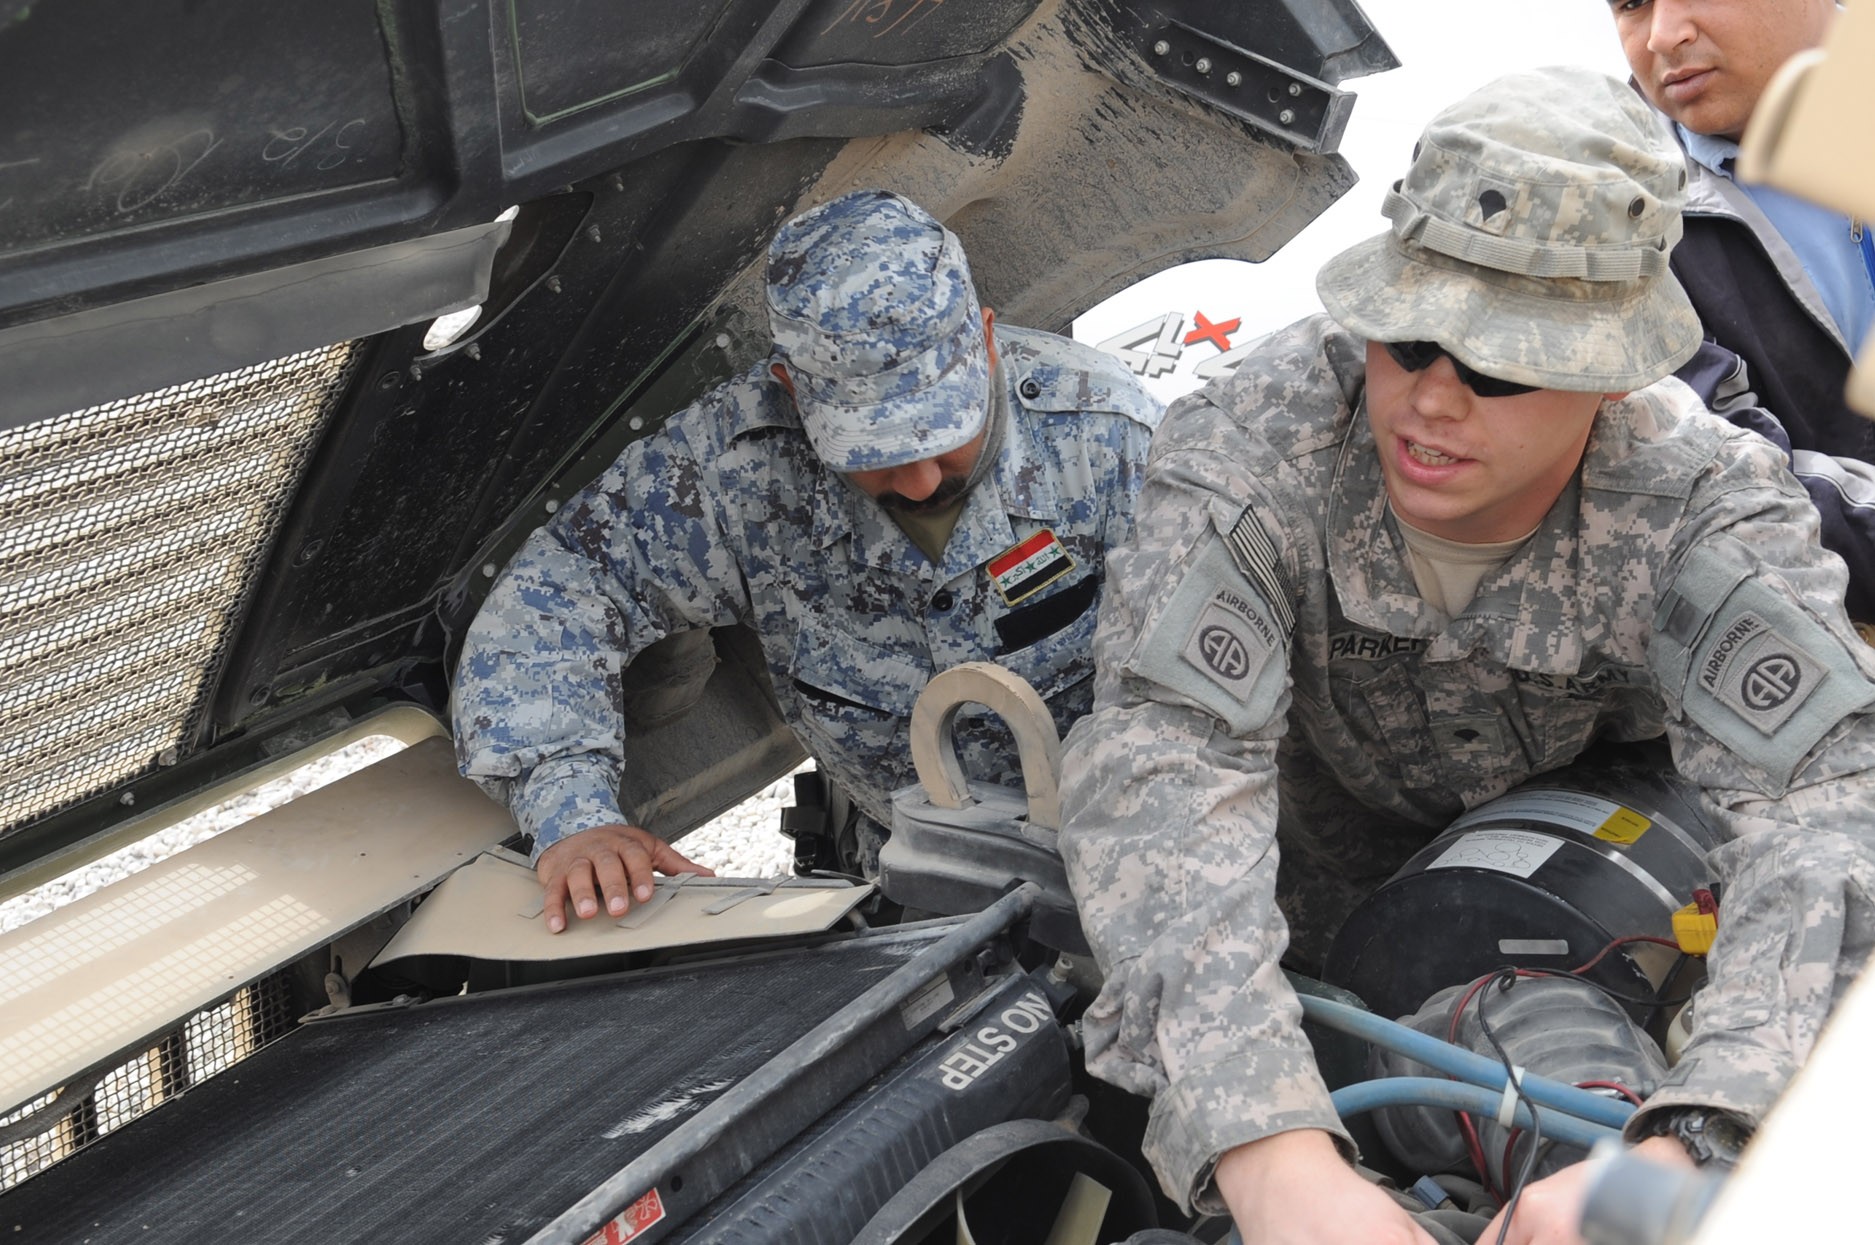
{"points": [[490, 910]]}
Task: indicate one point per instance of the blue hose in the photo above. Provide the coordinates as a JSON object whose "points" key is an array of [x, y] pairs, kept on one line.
{"points": [[1428, 1091], [1465, 1065]]}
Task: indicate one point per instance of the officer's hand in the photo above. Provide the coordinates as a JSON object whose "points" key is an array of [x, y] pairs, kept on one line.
{"points": [[1295, 1189], [614, 861], [1550, 1211]]}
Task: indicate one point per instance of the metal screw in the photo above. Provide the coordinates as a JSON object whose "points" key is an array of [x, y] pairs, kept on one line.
{"points": [[1233, 78], [722, 341], [1203, 65], [592, 233], [635, 422], [473, 350], [129, 797], [618, 182], [1286, 116], [1295, 88], [488, 570], [551, 505], [553, 285], [168, 756], [1161, 48], [416, 372]]}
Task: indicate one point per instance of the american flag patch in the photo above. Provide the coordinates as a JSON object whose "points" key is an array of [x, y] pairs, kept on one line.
{"points": [[1255, 555]]}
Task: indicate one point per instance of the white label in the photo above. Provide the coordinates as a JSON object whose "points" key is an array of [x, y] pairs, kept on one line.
{"points": [[1506, 851], [1564, 808], [927, 1003], [1533, 946]]}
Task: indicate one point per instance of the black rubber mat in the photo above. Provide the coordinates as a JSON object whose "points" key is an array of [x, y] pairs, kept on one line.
{"points": [[473, 1119]]}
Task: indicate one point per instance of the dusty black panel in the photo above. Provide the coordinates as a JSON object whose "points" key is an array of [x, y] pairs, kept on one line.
{"points": [[897, 32], [572, 54], [114, 116]]}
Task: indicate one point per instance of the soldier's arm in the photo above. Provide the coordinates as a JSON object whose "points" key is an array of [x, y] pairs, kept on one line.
{"points": [[638, 555], [1170, 811], [1770, 698]]}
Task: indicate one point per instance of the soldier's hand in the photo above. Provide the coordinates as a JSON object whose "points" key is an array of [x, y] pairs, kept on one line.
{"points": [[1295, 1189], [616, 863], [1550, 1210]]}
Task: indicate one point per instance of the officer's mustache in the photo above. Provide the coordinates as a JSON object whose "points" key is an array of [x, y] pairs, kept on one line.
{"points": [[949, 489]]}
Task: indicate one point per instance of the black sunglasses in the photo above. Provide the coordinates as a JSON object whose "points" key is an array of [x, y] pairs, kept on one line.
{"points": [[1418, 356]]}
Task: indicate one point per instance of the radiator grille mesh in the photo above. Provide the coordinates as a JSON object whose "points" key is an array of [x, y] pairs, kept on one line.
{"points": [[129, 536], [204, 1044]]}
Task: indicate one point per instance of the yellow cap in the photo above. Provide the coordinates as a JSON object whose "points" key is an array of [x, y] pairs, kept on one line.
{"points": [[1694, 930]]}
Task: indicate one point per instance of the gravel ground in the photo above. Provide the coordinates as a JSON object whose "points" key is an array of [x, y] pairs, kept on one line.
{"points": [[744, 842]]}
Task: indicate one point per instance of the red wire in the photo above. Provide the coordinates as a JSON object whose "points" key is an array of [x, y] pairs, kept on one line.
{"points": [[1622, 942], [1510, 1152], [1474, 1147], [1617, 1086]]}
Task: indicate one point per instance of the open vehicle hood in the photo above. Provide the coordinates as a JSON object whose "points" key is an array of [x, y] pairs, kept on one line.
{"points": [[242, 501]]}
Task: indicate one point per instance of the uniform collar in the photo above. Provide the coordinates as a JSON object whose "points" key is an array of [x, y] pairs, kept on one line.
{"points": [[1524, 615]]}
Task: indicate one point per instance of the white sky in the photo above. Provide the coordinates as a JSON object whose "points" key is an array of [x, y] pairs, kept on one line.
{"points": [[1446, 48]]}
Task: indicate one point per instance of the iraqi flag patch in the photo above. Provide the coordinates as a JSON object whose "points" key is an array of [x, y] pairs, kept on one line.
{"points": [[1028, 566]]}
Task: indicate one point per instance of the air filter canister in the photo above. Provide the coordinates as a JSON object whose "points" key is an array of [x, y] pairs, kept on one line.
{"points": [[1544, 876]]}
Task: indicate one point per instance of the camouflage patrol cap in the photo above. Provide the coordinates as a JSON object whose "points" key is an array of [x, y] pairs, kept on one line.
{"points": [[1530, 239], [875, 318]]}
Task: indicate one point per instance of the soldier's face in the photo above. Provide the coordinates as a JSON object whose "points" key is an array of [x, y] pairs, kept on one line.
{"points": [[1470, 469], [927, 485], [1705, 62]]}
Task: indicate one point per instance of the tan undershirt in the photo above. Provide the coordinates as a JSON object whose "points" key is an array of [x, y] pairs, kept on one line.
{"points": [[1448, 572], [931, 532]]}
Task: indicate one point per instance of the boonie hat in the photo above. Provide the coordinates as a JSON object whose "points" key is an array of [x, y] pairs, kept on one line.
{"points": [[875, 317], [1530, 239]]}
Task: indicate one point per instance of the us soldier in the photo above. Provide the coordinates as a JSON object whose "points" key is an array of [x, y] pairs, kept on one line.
{"points": [[903, 486], [1409, 556]]}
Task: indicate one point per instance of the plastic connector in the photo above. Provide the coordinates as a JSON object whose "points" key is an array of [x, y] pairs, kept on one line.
{"points": [[1695, 925]]}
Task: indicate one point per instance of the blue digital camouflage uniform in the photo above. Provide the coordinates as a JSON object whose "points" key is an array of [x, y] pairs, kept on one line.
{"points": [[727, 515], [1274, 697]]}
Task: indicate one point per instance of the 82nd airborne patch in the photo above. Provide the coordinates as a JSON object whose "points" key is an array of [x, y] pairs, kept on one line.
{"points": [[1758, 674], [1229, 642]]}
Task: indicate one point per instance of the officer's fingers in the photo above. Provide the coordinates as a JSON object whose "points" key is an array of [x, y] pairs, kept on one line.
{"points": [[668, 860], [613, 882], [579, 886], [553, 901], [637, 850]]}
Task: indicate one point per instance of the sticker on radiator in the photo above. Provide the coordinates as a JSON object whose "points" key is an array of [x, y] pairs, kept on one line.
{"points": [[928, 1002], [1605, 819], [631, 1222], [1505, 851]]}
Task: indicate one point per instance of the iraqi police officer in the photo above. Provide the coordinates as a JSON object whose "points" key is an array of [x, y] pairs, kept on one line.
{"points": [[902, 486], [1412, 553]]}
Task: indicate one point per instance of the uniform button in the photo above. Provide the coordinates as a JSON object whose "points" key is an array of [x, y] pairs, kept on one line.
{"points": [[1030, 389], [943, 600]]}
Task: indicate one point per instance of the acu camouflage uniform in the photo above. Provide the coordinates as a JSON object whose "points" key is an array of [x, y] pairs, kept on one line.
{"points": [[1265, 619], [726, 515]]}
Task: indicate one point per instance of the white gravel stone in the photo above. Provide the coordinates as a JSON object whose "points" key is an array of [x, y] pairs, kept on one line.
{"points": [[746, 841]]}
